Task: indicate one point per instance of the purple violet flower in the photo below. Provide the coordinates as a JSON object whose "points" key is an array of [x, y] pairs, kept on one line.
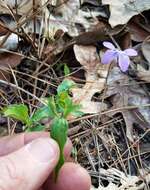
{"points": [[113, 54]]}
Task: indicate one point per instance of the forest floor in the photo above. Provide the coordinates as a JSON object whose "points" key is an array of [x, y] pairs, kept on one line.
{"points": [[104, 47]]}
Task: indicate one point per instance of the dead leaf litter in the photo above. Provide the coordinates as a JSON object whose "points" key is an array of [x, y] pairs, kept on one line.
{"points": [[38, 38]]}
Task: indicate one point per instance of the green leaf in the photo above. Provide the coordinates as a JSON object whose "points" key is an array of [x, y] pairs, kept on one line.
{"points": [[75, 110], [59, 130], [19, 112], [36, 128], [67, 106], [63, 100], [66, 85], [41, 113], [66, 70], [50, 102], [78, 113], [52, 105]]}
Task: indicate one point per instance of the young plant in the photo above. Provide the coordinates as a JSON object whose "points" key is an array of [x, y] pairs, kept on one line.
{"points": [[58, 108]]}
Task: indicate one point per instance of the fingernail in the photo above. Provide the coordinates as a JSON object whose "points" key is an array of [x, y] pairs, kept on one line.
{"points": [[43, 149]]}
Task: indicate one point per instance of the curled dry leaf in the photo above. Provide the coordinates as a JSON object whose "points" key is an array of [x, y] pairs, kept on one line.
{"points": [[125, 92], [95, 74], [138, 32]]}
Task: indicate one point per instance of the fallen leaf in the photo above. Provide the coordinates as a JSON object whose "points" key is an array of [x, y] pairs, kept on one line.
{"points": [[124, 10], [3, 30], [87, 56], [96, 34], [125, 41], [137, 31], [7, 24], [122, 180], [146, 48], [7, 61], [93, 2], [73, 19], [23, 6], [143, 74], [125, 92], [95, 74], [9, 43]]}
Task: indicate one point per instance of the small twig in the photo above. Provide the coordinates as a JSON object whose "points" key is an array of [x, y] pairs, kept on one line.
{"points": [[23, 90]]}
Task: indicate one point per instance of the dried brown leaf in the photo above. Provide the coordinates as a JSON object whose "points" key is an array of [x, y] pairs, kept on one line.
{"points": [[23, 6], [7, 61], [124, 10], [95, 74], [143, 74], [87, 57], [138, 33], [73, 19], [146, 48], [125, 92], [127, 182], [3, 30]]}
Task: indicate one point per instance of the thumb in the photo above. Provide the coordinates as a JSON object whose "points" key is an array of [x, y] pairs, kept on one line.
{"points": [[30, 166]]}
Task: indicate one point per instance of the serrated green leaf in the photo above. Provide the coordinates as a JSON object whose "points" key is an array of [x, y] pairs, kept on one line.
{"points": [[63, 100], [50, 102], [19, 112], [36, 128], [72, 108], [66, 70], [41, 113], [59, 130], [66, 85], [66, 105]]}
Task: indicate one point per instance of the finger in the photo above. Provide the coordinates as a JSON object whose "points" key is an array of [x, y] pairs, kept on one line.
{"points": [[10, 144], [29, 167], [71, 177], [68, 149]]}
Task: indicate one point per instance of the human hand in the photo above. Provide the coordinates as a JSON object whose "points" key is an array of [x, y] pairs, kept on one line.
{"points": [[27, 162]]}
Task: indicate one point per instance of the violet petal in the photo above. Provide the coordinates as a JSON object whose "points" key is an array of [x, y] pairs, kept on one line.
{"points": [[109, 45], [130, 52], [108, 57], [123, 61]]}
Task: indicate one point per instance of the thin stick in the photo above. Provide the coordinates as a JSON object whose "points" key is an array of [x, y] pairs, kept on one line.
{"points": [[21, 89]]}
